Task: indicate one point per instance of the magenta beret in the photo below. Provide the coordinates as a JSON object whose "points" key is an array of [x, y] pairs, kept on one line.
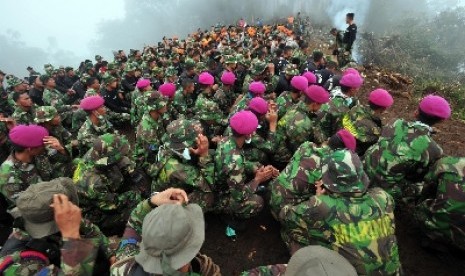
{"points": [[435, 106], [317, 94], [244, 122], [300, 83], [352, 80], [310, 77], [349, 71], [228, 78], [381, 97], [206, 78], [92, 103], [30, 136], [257, 87], [347, 138], [142, 83], [258, 105], [167, 89]]}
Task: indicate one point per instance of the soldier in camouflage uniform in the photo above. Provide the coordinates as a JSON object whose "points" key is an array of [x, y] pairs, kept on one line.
{"points": [[157, 77], [346, 217], [183, 103], [364, 122], [256, 89], [150, 130], [300, 124], [442, 215], [184, 162], [235, 193], [405, 151], [53, 97], [257, 73], [47, 116], [138, 98], [341, 103], [104, 180], [225, 96], [42, 245], [95, 125], [24, 108], [290, 98], [164, 223], [16, 85], [207, 109]]}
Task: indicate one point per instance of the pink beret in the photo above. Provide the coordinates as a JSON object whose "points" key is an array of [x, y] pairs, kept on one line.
{"points": [[317, 94], [310, 77], [30, 136], [435, 106], [300, 83], [167, 89], [257, 87], [206, 78], [91, 103], [352, 80], [258, 105], [381, 97], [228, 78], [142, 83], [244, 122], [347, 138], [349, 71]]}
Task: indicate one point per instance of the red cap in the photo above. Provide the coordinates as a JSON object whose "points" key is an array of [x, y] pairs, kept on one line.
{"points": [[206, 78], [381, 97], [352, 80], [92, 103], [228, 78], [142, 83], [310, 77], [30, 136], [435, 106], [244, 122], [257, 87], [258, 105], [347, 138], [300, 83], [167, 89], [317, 94]]}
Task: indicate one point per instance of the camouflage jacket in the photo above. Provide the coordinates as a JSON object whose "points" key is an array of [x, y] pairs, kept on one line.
{"points": [[364, 125], [331, 114], [182, 106], [231, 168], [148, 140], [16, 176], [130, 247], [225, 99], [137, 106], [57, 99], [295, 184], [361, 228], [443, 216], [23, 117], [296, 127], [403, 155], [270, 270], [89, 132], [285, 103]]}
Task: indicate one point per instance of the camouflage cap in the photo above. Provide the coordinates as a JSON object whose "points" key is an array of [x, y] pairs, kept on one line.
{"points": [[109, 149], [200, 67], [112, 66], [48, 68], [130, 67], [227, 51], [84, 77], [155, 101], [189, 62], [171, 71], [291, 70], [230, 59], [12, 81], [89, 66], [182, 133], [157, 70], [343, 172], [98, 57], [68, 68], [258, 68], [210, 112], [107, 78], [44, 114]]}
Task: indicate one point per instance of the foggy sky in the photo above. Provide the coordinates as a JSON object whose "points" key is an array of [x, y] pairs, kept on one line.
{"points": [[66, 32]]}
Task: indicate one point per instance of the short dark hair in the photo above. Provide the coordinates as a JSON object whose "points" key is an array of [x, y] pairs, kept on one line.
{"points": [[90, 81], [16, 95], [335, 142], [186, 82], [427, 119], [317, 56], [331, 65], [351, 15]]}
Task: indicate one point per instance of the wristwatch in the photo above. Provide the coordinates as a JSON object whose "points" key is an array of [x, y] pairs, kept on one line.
{"points": [[149, 200]]}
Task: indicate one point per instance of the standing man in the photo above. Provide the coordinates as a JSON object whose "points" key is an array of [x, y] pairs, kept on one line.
{"points": [[350, 34]]}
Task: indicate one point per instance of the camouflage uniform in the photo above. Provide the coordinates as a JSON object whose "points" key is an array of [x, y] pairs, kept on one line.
{"points": [[257, 69], [234, 194], [209, 113], [106, 199], [296, 127], [23, 117], [402, 156], [89, 132], [296, 183], [356, 223], [195, 176], [285, 102], [442, 215], [364, 125], [270, 270], [149, 132], [225, 99], [183, 106], [130, 247], [60, 101], [333, 112], [77, 256]]}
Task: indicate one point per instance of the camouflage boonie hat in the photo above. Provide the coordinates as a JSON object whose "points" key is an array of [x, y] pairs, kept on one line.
{"points": [[91, 92], [112, 66], [89, 66], [210, 112], [45, 114], [182, 133], [84, 77], [291, 70], [48, 68], [258, 68], [130, 67], [171, 71], [68, 68], [98, 58], [189, 62], [157, 70], [12, 81], [227, 51], [109, 149], [343, 172], [230, 59], [200, 67], [155, 101], [107, 78]]}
